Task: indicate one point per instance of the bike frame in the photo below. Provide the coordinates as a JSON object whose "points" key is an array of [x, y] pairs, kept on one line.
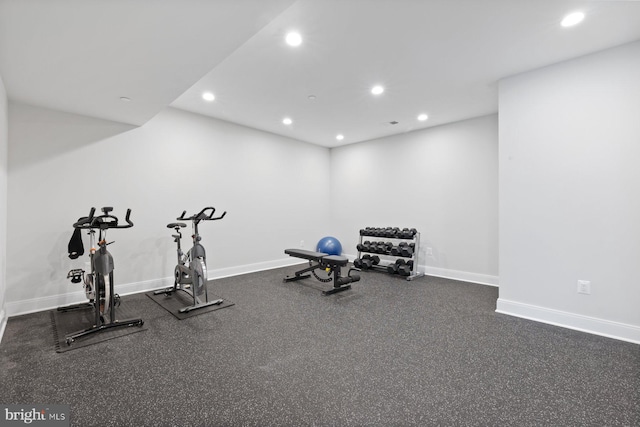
{"points": [[99, 282], [190, 274]]}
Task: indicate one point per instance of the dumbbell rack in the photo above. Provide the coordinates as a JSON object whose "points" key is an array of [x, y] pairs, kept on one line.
{"points": [[390, 233]]}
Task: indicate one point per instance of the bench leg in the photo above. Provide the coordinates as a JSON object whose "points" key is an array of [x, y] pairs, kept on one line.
{"points": [[296, 277], [336, 290]]}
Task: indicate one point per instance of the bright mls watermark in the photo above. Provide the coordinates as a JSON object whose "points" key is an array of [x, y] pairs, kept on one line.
{"points": [[35, 415]]}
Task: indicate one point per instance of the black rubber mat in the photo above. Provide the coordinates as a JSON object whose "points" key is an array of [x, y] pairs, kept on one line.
{"points": [[65, 323], [175, 301]]}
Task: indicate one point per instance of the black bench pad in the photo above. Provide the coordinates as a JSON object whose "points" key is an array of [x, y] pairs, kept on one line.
{"points": [[317, 256], [336, 260], [301, 253]]}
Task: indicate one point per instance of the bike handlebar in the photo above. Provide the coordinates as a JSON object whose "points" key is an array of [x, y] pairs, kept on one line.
{"points": [[81, 223], [202, 215], [102, 221]]}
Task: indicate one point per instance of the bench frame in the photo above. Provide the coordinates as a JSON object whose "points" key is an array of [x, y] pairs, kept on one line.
{"points": [[332, 263]]}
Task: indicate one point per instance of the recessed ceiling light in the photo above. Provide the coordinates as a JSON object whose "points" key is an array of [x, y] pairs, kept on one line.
{"points": [[293, 39], [287, 121], [377, 90], [340, 137], [423, 117], [208, 96], [572, 19]]}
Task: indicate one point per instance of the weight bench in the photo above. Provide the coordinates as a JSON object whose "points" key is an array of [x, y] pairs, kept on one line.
{"points": [[320, 260]]}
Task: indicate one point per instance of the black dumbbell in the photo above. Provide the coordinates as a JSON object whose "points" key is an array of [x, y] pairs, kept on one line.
{"points": [[406, 251], [407, 233], [404, 270], [375, 259], [368, 261], [395, 267]]}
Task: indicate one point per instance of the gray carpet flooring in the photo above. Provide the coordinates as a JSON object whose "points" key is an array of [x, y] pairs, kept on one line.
{"points": [[388, 352], [68, 323], [178, 300]]}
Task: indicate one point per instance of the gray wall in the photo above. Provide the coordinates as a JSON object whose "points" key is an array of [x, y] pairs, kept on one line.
{"points": [[3, 203], [443, 181], [570, 193], [62, 164], [568, 188], [279, 193]]}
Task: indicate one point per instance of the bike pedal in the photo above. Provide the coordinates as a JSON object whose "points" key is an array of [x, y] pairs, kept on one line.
{"points": [[75, 275]]}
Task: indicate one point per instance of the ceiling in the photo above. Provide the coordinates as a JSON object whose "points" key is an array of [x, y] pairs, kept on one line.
{"points": [[438, 57]]}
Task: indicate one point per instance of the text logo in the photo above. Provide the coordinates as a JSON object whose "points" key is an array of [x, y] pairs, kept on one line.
{"points": [[35, 415]]}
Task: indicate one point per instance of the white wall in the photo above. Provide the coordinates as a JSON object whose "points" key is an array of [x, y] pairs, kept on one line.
{"points": [[442, 181], [570, 193], [274, 190], [3, 204]]}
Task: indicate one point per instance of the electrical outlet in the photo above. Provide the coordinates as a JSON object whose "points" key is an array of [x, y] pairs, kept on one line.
{"points": [[302, 243], [584, 287], [429, 252]]}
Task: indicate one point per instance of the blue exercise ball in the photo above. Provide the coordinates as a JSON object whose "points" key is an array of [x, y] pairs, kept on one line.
{"points": [[329, 245]]}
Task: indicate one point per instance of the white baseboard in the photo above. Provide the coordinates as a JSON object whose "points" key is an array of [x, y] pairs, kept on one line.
{"points": [[3, 323], [252, 268], [16, 308], [591, 325], [464, 276]]}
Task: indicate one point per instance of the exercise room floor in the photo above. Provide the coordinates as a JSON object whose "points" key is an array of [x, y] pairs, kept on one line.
{"points": [[388, 352]]}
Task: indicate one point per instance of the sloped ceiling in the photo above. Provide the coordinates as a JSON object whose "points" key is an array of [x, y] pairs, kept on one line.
{"points": [[82, 56], [438, 57]]}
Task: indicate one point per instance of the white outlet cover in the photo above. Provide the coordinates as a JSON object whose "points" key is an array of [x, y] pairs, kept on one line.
{"points": [[584, 287]]}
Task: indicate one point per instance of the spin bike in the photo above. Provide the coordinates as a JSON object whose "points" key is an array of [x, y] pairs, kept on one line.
{"points": [[98, 284], [190, 274]]}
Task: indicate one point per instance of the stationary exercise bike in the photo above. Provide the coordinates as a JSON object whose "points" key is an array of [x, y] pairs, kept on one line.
{"points": [[98, 284], [190, 274]]}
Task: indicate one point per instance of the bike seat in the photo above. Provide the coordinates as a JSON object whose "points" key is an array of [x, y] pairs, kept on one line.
{"points": [[176, 225]]}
